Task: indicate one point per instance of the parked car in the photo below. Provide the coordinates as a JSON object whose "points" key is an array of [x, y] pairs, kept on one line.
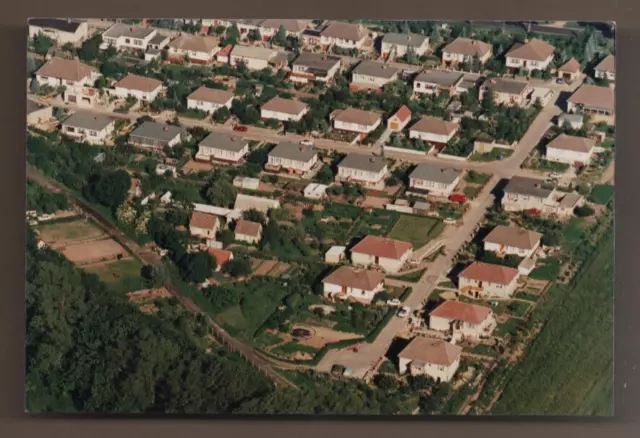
{"points": [[240, 128], [306, 143], [404, 311], [394, 302], [560, 81], [458, 197], [337, 370], [555, 175]]}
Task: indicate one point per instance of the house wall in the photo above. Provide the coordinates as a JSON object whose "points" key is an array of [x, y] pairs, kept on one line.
{"points": [[489, 289], [569, 157], [468, 330], [362, 175], [371, 81], [517, 202], [203, 57], [365, 296], [528, 64], [247, 238], [148, 143], [601, 74], [144, 96], [39, 116], [302, 70], [293, 164], [87, 81], [388, 264], [344, 44], [251, 63], [433, 186], [355, 127], [130, 43], [206, 153], [509, 99], [209, 107], [431, 137], [203, 232], [90, 136], [268, 114], [394, 120], [402, 49], [444, 373], [510, 250], [456, 58], [62, 38], [421, 87]]}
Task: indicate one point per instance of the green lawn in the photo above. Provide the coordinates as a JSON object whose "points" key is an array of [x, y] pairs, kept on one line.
{"points": [[265, 339], [517, 308], [472, 191], [232, 318], [548, 270], [447, 283], [411, 276], [418, 230], [475, 177], [292, 347], [485, 350], [508, 327], [128, 272], [550, 166], [526, 296], [601, 194], [491, 156], [568, 369]]}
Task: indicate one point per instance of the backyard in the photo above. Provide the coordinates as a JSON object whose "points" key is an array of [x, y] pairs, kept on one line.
{"points": [[417, 230]]}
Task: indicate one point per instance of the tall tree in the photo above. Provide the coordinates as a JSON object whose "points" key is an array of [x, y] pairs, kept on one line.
{"points": [[281, 37]]}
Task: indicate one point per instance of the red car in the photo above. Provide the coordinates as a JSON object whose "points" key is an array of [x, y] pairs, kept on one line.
{"points": [[534, 211], [458, 197], [240, 128]]}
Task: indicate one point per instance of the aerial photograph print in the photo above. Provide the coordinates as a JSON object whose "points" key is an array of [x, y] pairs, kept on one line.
{"points": [[319, 217]]}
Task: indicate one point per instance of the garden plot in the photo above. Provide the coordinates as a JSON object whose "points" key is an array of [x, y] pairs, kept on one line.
{"points": [[320, 336], [86, 253], [417, 230], [60, 234]]}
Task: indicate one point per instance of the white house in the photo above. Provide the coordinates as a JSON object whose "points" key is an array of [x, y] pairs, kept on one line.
{"points": [[505, 240], [463, 320], [255, 57], [335, 254], [429, 356], [66, 72], [312, 67], [142, 88], [156, 135], [61, 30], [387, 254], [398, 121], [162, 169], [347, 283], [292, 158], [598, 102], [437, 81], [197, 48], [247, 231], [398, 44], [343, 35], [484, 280], [286, 110], [315, 191], [570, 149], [209, 99], [125, 36], [220, 147], [606, 69], [465, 50], [203, 225], [530, 194], [270, 27], [434, 130], [85, 126], [355, 120], [372, 75], [534, 54], [575, 121], [367, 170], [434, 178]]}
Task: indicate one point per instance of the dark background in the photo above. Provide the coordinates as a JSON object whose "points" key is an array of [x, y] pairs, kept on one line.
{"points": [[13, 33]]}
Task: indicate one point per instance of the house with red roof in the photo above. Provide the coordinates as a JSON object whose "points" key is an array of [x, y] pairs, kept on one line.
{"points": [[400, 119], [387, 254], [348, 283], [203, 225], [221, 257], [435, 358], [485, 280], [463, 320]]}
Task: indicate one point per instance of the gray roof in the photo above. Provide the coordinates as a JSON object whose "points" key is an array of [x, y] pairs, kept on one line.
{"points": [[363, 162], [571, 117], [442, 78], [316, 61], [225, 142], [508, 86], [375, 69], [570, 200], [528, 186], [158, 39], [157, 131], [33, 106], [421, 205], [403, 39], [293, 151], [88, 120], [126, 30], [435, 172], [254, 52]]}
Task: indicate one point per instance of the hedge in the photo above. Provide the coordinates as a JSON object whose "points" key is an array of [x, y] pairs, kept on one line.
{"points": [[371, 337], [406, 294]]}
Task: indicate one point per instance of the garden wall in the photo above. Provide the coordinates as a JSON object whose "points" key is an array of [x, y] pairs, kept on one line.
{"points": [[404, 150]]}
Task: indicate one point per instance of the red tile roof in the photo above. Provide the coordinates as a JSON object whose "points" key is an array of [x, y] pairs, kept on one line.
{"points": [[141, 83], [203, 220], [433, 351], [403, 113], [222, 256], [571, 66], [498, 274], [67, 69], [459, 311], [382, 247], [355, 278], [534, 49], [248, 228], [226, 50]]}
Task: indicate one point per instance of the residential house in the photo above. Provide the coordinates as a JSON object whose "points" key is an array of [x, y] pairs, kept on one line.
{"points": [[355, 120], [244, 25], [158, 43], [85, 126], [315, 191], [343, 35], [436, 82], [142, 88], [248, 202], [196, 48], [209, 99], [335, 254], [606, 69], [247, 231], [463, 320], [156, 135], [530, 194], [434, 178], [221, 257], [66, 72], [225, 148], [311, 67], [81, 96], [367, 170], [387, 254], [203, 225], [244, 182], [162, 169], [285, 110], [432, 357], [534, 54], [292, 157], [256, 58], [596, 101], [507, 92], [270, 27], [128, 37], [570, 149], [435, 130], [574, 121], [371, 75], [485, 280], [399, 120], [465, 50], [223, 54], [398, 44], [569, 71], [504, 240], [348, 283], [38, 113], [61, 30]]}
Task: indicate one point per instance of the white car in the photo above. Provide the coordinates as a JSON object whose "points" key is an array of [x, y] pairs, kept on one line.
{"points": [[306, 143], [404, 311], [394, 302]]}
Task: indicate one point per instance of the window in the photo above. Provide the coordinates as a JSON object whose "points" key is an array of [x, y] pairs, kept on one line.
{"points": [[93, 133]]}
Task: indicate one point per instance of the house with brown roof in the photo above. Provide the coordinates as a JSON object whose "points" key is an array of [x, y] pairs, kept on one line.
{"points": [[435, 130], [531, 194], [463, 321], [534, 54], [355, 120], [343, 35], [504, 240], [437, 81], [66, 72], [398, 121], [221, 257], [606, 69], [509, 92], [381, 252], [435, 358], [571, 149], [247, 231], [433, 178], [372, 75], [596, 101], [203, 225], [142, 88], [294, 158], [353, 284], [196, 48], [210, 99], [569, 71], [285, 110], [366, 170], [465, 50], [485, 280]]}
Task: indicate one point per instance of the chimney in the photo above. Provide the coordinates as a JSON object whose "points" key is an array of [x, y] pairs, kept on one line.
{"points": [[165, 128], [133, 29]]}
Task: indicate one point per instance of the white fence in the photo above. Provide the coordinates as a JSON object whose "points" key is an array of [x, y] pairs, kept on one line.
{"points": [[403, 150]]}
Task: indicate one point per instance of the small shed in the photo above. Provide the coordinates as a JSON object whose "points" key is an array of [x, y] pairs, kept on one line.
{"points": [[315, 191], [526, 266], [421, 207], [335, 254], [166, 198], [245, 182]]}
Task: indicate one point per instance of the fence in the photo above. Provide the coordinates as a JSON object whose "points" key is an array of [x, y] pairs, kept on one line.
{"points": [[454, 157], [483, 147], [403, 150]]}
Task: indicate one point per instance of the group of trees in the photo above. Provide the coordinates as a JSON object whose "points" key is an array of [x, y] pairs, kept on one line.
{"points": [[109, 188], [44, 201]]}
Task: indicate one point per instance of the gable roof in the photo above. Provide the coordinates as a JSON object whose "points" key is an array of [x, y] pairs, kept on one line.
{"points": [[507, 86], [141, 83], [195, 43], [513, 236], [67, 69], [344, 31], [127, 30], [316, 61], [467, 46], [382, 247], [248, 202], [224, 142], [355, 278], [404, 39], [459, 311], [431, 351], [523, 185], [248, 228], [403, 113], [534, 49], [254, 52], [571, 66], [212, 95], [287, 106], [608, 64], [222, 256], [490, 273], [157, 131], [60, 24], [203, 220], [293, 151], [572, 143], [435, 172], [438, 77], [88, 120], [290, 25], [354, 115], [592, 95], [367, 163], [434, 125], [375, 69]]}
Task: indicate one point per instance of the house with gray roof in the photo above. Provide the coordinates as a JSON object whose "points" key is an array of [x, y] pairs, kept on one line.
{"points": [[156, 135], [222, 148], [86, 126], [432, 178], [294, 158], [535, 195], [312, 67], [128, 37], [437, 81], [373, 75], [398, 44], [366, 170], [509, 92], [257, 58]]}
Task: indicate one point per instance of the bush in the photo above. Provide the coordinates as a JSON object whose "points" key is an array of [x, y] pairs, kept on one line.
{"points": [[385, 381], [584, 211]]}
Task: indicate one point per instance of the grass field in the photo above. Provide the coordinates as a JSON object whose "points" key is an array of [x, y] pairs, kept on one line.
{"points": [[128, 272], [569, 368], [411, 276], [491, 156], [417, 230], [601, 194], [65, 231]]}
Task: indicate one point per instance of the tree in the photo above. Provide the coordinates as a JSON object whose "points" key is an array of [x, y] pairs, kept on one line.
{"points": [[34, 87], [254, 215], [220, 192], [385, 381], [254, 35], [110, 189], [100, 83], [226, 236], [196, 267], [126, 213], [90, 49], [325, 174], [411, 56], [240, 267], [280, 37], [221, 115], [42, 44], [584, 211], [435, 36], [488, 103], [232, 35]]}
